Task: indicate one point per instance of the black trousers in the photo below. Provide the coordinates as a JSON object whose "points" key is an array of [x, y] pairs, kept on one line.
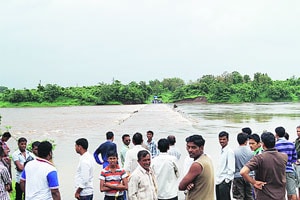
{"points": [[19, 192], [113, 198], [223, 191]]}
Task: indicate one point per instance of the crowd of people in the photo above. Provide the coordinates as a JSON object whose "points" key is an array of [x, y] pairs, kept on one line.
{"points": [[262, 167]]}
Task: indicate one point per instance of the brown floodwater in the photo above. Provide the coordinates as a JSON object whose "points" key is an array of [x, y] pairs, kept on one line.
{"points": [[66, 124]]}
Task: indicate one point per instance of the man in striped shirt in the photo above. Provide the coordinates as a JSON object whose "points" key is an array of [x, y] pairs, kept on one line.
{"points": [[113, 179], [284, 146]]}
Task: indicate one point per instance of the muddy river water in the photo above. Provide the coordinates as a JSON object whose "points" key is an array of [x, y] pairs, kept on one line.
{"points": [[64, 125]]}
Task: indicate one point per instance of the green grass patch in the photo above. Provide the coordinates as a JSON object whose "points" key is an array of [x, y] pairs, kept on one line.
{"points": [[12, 194]]}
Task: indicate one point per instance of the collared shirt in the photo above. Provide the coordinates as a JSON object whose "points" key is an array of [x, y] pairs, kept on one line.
{"points": [[114, 178], [287, 147], [173, 151], [226, 166], [270, 167], [123, 151], [40, 176], [242, 155], [166, 171], [103, 149], [4, 180], [18, 156], [152, 148], [84, 174], [131, 158], [142, 185]]}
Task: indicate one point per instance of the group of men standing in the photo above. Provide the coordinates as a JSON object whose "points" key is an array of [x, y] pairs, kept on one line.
{"points": [[148, 170], [262, 167], [266, 172], [36, 176]]}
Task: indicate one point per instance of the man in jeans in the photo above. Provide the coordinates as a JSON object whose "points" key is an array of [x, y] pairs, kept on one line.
{"points": [[287, 147]]}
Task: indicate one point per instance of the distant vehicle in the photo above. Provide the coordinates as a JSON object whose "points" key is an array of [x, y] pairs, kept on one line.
{"points": [[156, 100]]}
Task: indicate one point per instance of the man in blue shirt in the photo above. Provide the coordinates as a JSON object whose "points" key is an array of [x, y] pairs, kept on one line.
{"points": [[284, 146], [104, 148], [151, 144]]}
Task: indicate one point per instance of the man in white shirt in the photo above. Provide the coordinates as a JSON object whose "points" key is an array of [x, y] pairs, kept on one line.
{"points": [[166, 171], [39, 178], [20, 157], [125, 147], [142, 183], [85, 171], [225, 172], [131, 156]]}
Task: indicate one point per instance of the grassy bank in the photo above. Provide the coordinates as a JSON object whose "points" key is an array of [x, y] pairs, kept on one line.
{"points": [[43, 104]]}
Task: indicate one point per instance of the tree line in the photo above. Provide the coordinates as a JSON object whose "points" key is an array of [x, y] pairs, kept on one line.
{"points": [[225, 88]]}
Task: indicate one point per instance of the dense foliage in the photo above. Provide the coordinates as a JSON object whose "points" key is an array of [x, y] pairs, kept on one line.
{"points": [[228, 87]]}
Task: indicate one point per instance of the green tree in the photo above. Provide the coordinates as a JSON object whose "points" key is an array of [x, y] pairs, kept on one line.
{"points": [[247, 78], [3, 88], [156, 86], [13, 96], [172, 83], [179, 94], [278, 91], [51, 92], [220, 93]]}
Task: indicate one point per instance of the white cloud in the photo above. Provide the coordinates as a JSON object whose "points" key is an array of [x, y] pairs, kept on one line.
{"points": [[71, 42]]}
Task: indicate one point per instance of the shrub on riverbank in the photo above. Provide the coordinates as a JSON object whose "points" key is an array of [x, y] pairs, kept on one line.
{"points": [[225, 88]]}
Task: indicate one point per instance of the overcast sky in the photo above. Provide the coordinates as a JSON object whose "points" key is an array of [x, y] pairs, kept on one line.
{"points": [[85, 42]]}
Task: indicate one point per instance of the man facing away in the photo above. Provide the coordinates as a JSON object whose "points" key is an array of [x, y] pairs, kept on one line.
{"points": [[151, 144], [225, 172], [241, 189], [254, 143], [199, 181], [247, 130], [105, 147], [85, 171], [166, 171], [172, 149], [142, 182], [287, 147], [19, 157], [269, 167], [39, 179], [125, 147], [131, 156]]}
